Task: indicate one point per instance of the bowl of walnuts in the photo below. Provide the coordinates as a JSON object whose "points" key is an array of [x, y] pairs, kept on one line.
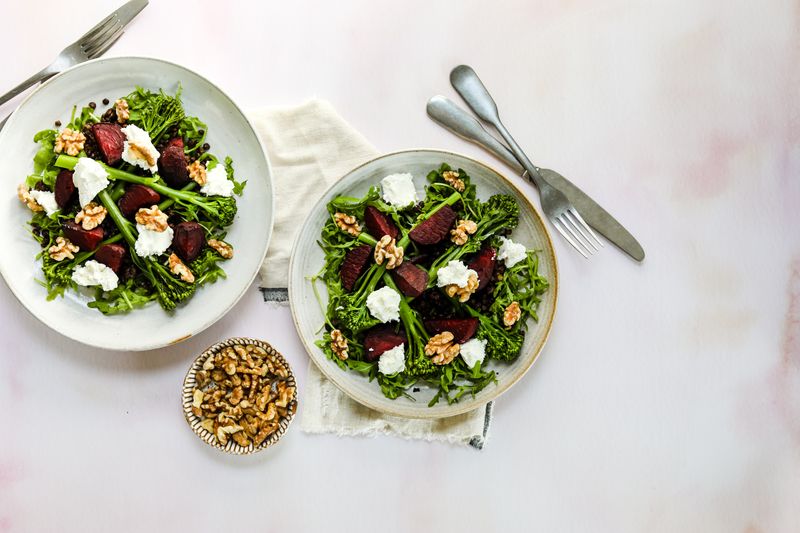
{"points": [[240, 396]]}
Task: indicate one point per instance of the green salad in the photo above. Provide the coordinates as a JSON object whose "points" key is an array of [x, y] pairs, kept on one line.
{"points": [[131, 203], [425, 291]]}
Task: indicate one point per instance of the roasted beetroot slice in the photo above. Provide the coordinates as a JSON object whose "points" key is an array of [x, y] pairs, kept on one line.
{"points": [[381, 339], [379, 224], [65, 188], [85, 239], [189, 240], [172, 164], [483, 265], [354, 264], [435, 228], [463, 329], [110, 141], [111, 255], [136, 197], [410, 279]]}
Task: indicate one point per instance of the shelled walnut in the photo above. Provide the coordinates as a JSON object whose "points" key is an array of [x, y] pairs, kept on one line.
{"points": [[91, 216], [463, 293], [463, 230], [69, 141], [347, 223], [511, 314], [242, 393], [442, 349], [387, 250], [451, 177]]}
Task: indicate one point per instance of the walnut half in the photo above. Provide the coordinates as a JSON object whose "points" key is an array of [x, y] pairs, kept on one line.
{"points": [[387, 250], [339, 344], [463, 293], [347, 223], [442, 349], [91, 216]]}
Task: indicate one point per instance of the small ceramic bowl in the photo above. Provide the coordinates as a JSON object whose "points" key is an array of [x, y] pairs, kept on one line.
{"points": [[194, 421]]}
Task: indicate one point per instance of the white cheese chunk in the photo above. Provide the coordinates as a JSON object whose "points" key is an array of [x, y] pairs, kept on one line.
{"points": [[473, 351], [384, 304], [455, 273], [398, 190], [217, 183], [90, 178], [95, 273], [152, 242], [45, 199], [511, 252], [392, 361], [138, 149]]}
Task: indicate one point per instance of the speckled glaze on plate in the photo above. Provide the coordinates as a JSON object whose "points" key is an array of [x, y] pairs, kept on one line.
{"points": [[230, 133], [307, 259], [194, 421]]}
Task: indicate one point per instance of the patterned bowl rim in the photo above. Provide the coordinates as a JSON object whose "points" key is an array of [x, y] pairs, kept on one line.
{"points": [[194, 421]]}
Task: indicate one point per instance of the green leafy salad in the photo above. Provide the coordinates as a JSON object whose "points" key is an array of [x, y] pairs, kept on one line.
{"points": [[130, 203], [425, 292]]}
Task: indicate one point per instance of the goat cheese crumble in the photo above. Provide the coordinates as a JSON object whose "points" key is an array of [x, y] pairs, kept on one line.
{"points": [[138, 149], [217, 183], [473, 351], [46, 199], [511, 252], [384, 304], [392, 361], [399, 190], [455, 273], [151, 242], [90, 178], [95, 273]]}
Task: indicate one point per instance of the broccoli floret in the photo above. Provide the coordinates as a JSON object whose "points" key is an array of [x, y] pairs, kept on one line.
{"points": [[349, 310], [501, 344], [220, 210], [171, 291], [499, 212]]}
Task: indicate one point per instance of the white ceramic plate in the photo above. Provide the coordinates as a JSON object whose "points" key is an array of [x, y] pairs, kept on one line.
{"points": [[229, 133], [307, 259]]}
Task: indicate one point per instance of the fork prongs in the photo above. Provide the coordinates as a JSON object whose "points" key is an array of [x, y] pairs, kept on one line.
{"points": [[101, 47], [562, 228], [100, 39], [99, 28], [583, 227]]}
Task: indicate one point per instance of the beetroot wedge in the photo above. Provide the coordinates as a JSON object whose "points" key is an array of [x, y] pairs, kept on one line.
{"points": [[111, 255], [354, 264], [136, 197], [85, 239], [434, 229], [410, 279], [379, 224], [381, 339], [483, 264], [110, 141], [65, 188], [172, 164], [463, 329], [189, 240]]}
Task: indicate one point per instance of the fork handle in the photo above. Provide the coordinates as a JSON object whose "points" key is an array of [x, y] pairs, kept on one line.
{"points": [[40, 76]]}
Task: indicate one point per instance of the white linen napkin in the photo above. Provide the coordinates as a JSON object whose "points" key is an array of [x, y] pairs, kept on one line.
{"points": [[310, 146]]}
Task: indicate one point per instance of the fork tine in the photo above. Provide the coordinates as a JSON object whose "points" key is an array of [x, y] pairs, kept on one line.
{"points": [[556, 222], [586, 226], [567, 224], [91, 34], [102, 47], [569, 216], [100, 39]]}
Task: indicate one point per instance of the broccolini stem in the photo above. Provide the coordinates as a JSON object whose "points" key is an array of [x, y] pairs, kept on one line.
{"points": [[123, 224]]}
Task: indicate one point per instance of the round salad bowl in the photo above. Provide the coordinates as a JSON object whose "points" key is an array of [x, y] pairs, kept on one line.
{"points": [[307, 259], [229, 134]]}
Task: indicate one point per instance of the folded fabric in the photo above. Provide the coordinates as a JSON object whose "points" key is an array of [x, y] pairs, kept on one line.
{"points": [[310, 147]]}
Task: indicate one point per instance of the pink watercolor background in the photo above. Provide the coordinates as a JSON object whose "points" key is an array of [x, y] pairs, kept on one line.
{"points": [[668, 396]]}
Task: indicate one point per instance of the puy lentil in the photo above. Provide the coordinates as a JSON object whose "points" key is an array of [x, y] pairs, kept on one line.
{"points": [[206, 147], [105, 101], [92, 105], [58, 123]]}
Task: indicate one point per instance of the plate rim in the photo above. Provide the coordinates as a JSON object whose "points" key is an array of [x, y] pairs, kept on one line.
{"points": [[457, 408], [141, 347]]}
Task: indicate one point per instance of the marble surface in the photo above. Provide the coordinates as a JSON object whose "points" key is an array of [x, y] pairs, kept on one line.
{"points": [[668, 397]]}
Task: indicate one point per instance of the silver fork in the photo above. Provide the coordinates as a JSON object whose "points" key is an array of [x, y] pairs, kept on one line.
{"points": [[562, 214], [90, 45]]}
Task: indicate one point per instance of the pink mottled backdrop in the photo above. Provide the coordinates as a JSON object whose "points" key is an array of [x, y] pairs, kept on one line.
{"points": [[668, 398]]}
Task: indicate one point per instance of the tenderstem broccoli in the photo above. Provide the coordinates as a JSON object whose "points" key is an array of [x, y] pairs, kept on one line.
{"points": [[220, 209]]}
